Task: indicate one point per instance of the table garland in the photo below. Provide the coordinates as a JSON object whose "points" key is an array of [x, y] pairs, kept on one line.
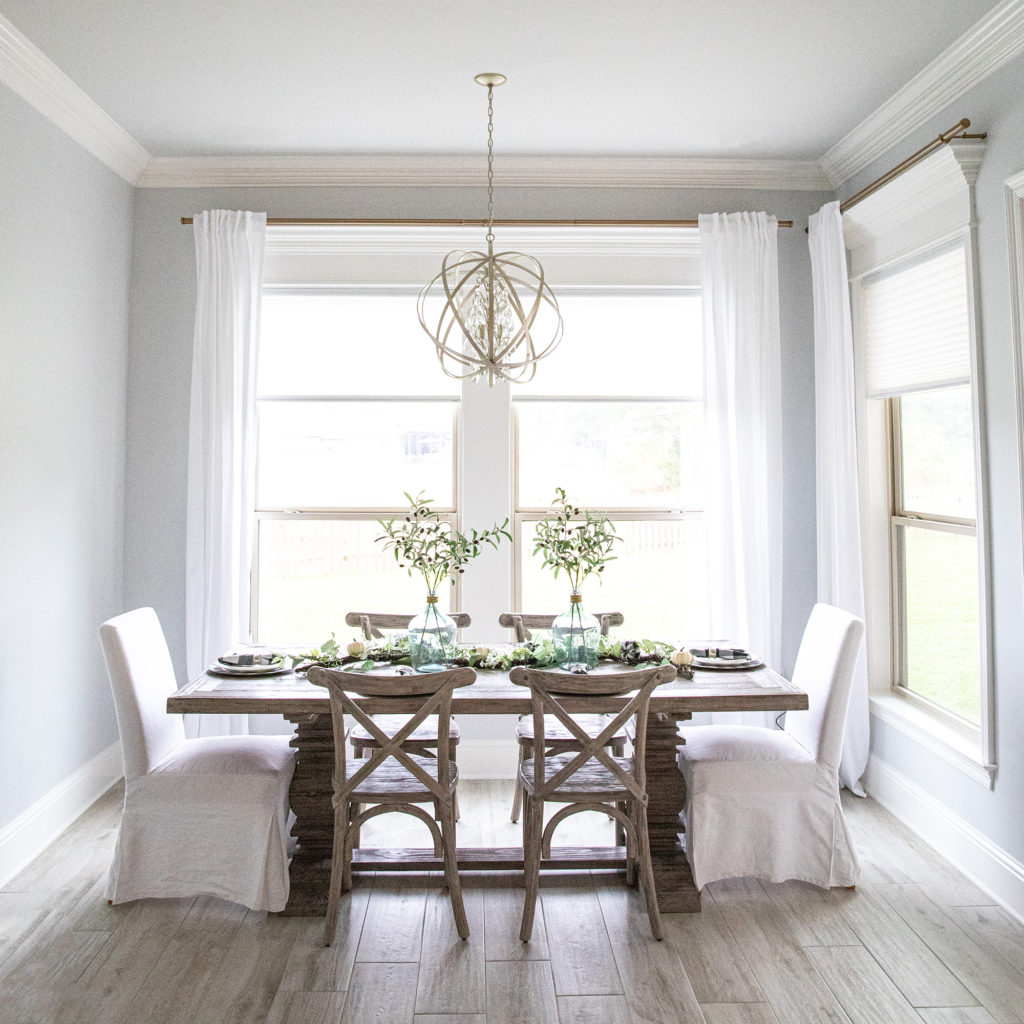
{"points": [[393, 649]]}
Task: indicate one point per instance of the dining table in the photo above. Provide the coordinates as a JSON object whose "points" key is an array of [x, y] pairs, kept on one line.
{"points": [[307, 706]]}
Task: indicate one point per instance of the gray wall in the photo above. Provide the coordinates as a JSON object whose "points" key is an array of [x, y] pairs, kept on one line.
{"points": [[997, 107], [163, 303], [65, 248]]}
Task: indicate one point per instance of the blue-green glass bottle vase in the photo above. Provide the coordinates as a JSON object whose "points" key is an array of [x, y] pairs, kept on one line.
{"points": [[432, 638], [576, 636]]}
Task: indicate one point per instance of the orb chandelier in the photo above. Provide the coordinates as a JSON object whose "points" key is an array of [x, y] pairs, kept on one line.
{"points": [[488, 314]]}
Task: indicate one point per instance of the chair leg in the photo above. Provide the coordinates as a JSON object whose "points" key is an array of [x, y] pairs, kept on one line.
{"points": [[533, 827], [451, 869], [337, 874], [517, 800], [620, 832], [631, 861], [647, 871]]}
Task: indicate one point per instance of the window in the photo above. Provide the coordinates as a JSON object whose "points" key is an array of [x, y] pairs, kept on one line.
{"points": [[621, 430], [916, 325], [353, 411]]}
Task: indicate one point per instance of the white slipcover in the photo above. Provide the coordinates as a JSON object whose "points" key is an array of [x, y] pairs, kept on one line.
{"points": [[764, 803], [202, 817]]}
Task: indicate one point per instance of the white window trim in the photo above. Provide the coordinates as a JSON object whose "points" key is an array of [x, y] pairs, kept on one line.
{"points": [[1015, 245], [876, 245]]}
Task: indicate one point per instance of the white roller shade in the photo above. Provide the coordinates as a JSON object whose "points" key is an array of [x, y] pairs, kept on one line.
{"points": [[917, 325]]}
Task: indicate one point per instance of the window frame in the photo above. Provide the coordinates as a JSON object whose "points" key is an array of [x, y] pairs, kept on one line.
{"points": [[954, 739], [400, 258]]}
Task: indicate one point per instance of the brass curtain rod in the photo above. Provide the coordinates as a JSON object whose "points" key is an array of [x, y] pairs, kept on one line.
{"points": [[959, 130], [428, 222]]}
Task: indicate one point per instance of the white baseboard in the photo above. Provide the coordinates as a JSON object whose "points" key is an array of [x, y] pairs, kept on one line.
{"points": [[989, 866], [487, 759], [23, 839]]}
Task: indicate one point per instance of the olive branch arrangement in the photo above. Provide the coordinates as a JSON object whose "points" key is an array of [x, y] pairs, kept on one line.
{"points": [[424, 543], [578, 547]]}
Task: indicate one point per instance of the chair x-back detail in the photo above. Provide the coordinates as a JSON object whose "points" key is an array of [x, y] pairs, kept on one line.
{"points": [[423, 739], [391, 777], [523, 622], [590, 778], [557, 739], [371, 623]]}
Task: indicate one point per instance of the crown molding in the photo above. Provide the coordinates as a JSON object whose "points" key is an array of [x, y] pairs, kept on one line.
{"points": [[430, 170], [987, 46], [38, 81]]}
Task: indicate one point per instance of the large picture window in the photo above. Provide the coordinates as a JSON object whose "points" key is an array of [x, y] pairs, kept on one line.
{"points": [[354, 410]]}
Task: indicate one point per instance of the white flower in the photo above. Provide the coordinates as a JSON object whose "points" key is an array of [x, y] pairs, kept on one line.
{"points": [[483, 651], [681, 657], [356, 649]]}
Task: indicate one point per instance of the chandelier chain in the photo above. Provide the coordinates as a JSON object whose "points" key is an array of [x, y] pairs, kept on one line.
{"points": [[490, 163]]}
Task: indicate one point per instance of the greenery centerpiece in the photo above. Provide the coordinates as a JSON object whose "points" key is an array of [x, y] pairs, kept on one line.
{"points": [[579, 543], [423, 542]]}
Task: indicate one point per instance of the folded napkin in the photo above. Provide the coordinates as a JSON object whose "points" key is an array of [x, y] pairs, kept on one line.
{"points": [[247, 660], [720, 652]]}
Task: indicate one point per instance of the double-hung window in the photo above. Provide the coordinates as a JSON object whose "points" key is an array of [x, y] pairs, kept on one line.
{"points": [[617, 422], [917, 331], [352, 411]]}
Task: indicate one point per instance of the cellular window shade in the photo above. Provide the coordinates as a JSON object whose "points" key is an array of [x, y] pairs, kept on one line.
{"points": [[917, 326]]}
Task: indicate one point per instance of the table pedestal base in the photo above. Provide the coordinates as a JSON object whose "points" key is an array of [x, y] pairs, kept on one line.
{"points": [[310, 797]]}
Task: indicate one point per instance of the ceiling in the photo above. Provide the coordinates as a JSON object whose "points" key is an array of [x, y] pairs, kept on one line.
{"points": [[716, 78]]}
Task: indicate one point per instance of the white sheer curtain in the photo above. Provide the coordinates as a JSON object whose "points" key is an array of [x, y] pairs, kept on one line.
{"points": [[743, 507], [222, 433], [840, 575]]}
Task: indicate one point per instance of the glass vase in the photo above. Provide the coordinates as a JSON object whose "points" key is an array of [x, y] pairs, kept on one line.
{"points": [[576, 635], [431, 638]]}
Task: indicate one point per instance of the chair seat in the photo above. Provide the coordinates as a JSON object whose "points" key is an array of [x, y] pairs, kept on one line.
{"points": [[425, 732], [227, 755], [555, 731], [593, 779], [740, 743], [392, 782]]}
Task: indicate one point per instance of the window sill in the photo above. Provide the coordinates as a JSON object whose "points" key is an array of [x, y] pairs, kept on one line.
{"points": [[963, 752]]}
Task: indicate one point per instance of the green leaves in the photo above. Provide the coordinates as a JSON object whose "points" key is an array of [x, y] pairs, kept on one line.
{"points": [[576, 541], [423, 542]]}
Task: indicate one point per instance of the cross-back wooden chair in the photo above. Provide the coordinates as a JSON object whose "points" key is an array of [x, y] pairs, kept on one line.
{"points": [[391, 778], [557, 739], [590, 779], [423, 740]]}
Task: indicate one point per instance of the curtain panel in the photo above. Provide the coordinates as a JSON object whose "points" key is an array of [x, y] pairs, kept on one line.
{"points": [[840, 571], [230, 248], [743, 511]]}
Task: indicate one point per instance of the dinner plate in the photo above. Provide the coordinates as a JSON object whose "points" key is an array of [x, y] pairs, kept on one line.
{"points": [[727, 664], [217, 669]]}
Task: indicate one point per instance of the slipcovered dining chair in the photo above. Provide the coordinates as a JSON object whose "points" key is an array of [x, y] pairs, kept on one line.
{"points": [[392, 778], [557, 739], [765, 803], [423, 740], [591, 778], [201, 817]]}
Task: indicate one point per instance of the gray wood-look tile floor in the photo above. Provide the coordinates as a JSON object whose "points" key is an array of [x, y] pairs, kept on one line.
{"points": [[917, 942]]}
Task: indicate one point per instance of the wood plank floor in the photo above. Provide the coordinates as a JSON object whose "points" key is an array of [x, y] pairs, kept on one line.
{"points": [[915, 942]]}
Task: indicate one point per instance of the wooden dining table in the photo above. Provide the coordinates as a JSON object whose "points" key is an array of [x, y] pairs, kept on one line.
{"points": [[307, 706]]}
